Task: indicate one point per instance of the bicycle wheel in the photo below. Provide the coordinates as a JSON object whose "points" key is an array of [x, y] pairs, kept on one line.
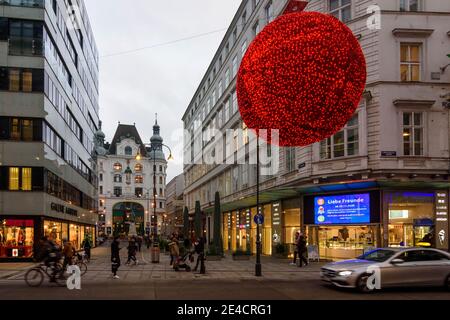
{"points": [[34, 277], [83, 267]]}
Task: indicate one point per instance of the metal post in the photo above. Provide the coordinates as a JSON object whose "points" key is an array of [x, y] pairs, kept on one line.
{"points": [[258, 267], [155, 220]]}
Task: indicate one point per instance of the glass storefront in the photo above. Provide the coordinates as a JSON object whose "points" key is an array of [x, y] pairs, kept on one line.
{"points": [[345, 242], [56, 231], [16, 238], [411, 218], [291, 223]]}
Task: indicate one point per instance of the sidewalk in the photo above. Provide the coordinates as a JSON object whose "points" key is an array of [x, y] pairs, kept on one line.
{"points": [[99, 269]]}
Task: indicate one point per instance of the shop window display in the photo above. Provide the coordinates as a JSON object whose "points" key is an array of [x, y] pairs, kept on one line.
{"points": [[411, 219], [291, 226], [16, 238], [345, 242]]}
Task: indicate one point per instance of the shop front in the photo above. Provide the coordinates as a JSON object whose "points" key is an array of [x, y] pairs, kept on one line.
{"points": [[343, 226], [417, 218], [20, 235], [17, 238], [278, 229]]}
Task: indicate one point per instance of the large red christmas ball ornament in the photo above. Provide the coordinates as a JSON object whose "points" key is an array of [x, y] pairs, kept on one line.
{"points": [[304, 74]]}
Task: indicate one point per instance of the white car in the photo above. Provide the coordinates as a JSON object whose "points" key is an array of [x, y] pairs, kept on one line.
{"points": [[391, 267]]}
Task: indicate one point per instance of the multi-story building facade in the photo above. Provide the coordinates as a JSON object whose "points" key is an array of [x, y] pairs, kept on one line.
{"points": [[49, 113], [393, 154], [175, 204], [126, 180]]}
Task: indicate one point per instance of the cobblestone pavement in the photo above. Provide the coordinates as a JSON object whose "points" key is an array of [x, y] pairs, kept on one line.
{"points": [[99, 269]]}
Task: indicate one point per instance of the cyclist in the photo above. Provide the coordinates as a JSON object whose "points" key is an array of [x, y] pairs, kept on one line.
{"points": [[50, 254], [68, 253]]}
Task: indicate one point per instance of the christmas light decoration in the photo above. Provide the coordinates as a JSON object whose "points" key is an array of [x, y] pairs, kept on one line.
{"points": [[304, 74]]}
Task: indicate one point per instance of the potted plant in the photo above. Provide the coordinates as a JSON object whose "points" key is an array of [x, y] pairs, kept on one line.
{"points": [[240, 255], [213, 254], [282, 251]]}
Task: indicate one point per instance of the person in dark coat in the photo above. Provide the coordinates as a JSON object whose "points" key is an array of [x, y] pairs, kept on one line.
{"points": [[199, 249], [132, 248], [115, 257], [302, 250], [87, 246], [139, 243]]}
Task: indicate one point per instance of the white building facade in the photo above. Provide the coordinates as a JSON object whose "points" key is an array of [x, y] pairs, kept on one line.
{"points": [[126, 183], [394, 151]]}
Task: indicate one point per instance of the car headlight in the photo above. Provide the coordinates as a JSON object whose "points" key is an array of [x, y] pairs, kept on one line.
{"points": [[345, 273]]}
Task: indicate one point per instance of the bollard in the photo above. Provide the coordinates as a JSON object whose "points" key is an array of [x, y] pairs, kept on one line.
{"points": [[155, 254]]}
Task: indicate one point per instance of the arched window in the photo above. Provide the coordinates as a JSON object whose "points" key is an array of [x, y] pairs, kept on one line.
{"points": [[128, 151], [117, 167], [138, 179], [160, 180], [118, 178], [138, 168]]}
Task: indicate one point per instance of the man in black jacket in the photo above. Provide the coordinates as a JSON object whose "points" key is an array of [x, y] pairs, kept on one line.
{"points": [[115, 257], [199, 249]]}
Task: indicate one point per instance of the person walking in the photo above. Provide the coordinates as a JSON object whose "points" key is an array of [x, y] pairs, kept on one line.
{"points": [[199, 249], [132, 248], [87, 245], [302, 250], [139, 243], [174, 252], [115, 257], [297, 235], [148, 241], [68, 253]]}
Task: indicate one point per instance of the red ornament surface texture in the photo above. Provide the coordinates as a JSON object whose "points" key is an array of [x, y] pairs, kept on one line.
{"points": [[304, 74]]}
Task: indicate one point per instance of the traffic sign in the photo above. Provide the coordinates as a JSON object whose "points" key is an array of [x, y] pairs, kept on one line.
{"points": [[259, 219]]}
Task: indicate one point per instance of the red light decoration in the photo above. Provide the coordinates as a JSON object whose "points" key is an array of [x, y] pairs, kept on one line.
{"points": [[304, 74]]}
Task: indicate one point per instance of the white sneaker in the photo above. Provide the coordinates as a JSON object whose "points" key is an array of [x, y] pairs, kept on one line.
{"points": [[116, 277]]}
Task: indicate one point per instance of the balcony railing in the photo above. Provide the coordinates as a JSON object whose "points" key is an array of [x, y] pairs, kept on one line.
{"points": [[23, 3], [25, 46]]}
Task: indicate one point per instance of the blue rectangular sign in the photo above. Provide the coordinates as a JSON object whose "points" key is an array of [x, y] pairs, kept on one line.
{"points": [[342, 209]]}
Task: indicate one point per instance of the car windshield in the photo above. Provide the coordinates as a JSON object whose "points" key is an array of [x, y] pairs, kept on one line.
{"points": [[380, 255]]}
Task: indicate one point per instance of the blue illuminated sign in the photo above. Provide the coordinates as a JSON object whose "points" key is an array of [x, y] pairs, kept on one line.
{"points": [[342, 209]]}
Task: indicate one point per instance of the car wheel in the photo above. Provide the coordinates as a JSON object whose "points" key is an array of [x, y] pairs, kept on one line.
{"points": [[362, 284]]}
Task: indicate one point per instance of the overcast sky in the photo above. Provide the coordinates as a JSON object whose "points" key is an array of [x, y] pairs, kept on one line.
{"points": [[163, 79]]}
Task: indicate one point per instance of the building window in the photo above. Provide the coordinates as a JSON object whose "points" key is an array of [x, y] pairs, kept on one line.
{"points": [[161, 192], [269, 12], [118, 191], [235, 66], [410, 62], [101, 192], [117, 167], [412, 134], [161, 205], [128, 151], [13, 179], [138, 168], [341, 9], [227, 78], [244, 47], [342, 144], [245, 133], [118, 178], [160, 169], [101, 177], [26, 179], [256, 29], [160, 180], [244, 18], [290, 159], [235, 102], [139, 179], [25, 80], [409, 5], [138, 192]]}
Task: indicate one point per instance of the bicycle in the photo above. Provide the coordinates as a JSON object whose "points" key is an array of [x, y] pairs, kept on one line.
{"points": [[35, 276], [79, 261]]}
